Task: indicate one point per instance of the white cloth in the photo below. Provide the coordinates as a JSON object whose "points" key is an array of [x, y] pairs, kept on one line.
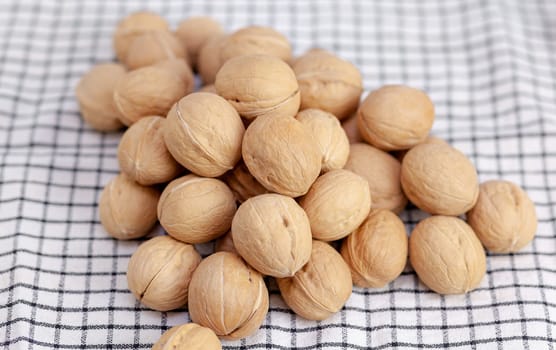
{"points": [[489, 67]]}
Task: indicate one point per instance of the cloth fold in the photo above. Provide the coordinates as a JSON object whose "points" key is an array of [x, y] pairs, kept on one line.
{"points": [[489, 67]]}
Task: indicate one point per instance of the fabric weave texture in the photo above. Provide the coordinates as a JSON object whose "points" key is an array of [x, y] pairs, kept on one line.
{"points": [[489, 67]]}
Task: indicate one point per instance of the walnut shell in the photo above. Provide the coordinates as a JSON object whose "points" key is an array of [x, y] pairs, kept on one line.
{"points": [[225, 244], [321, 287], [434, 139], [94, 93], [194, 209], [272, 233], [159, 272], [351, 129], [134, 25], [376, 252], [439, 179], [504, 217], [179, 68], [204, 132], [331, 138], [281, 155], [142, 153], [400, 155], [329, 83], [258, 85], [256, 40], [395, 117], [382, 172], [194, 32], [208, 88], [228, 296], [243, 184], [188, 336], [127, 210], [209, 61], [148, 91], [313, 50], [337, 203], [447, 255], [154, 46]]}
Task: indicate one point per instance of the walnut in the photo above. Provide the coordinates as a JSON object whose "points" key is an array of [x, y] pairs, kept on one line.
{"points": [[159, 272], [150, 90], [194, 32], [134, 25], [395, 117], [127, 210], [447, 255], [377, 251], [272, 233], [142, 153], [321, 287], [195, 209], [328, 83], [227, 296], [382, 172], [439, 179], [504, 217], [337, 203], [258, 85], [281, 154], [331, 138], [204, 133], [94, 93]]}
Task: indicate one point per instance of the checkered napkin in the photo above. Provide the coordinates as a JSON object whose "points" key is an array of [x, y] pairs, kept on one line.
{"points": [[490, 68]]}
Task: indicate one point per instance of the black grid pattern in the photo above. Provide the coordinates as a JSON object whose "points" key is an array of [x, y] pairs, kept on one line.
{"points": [[490, 68]]}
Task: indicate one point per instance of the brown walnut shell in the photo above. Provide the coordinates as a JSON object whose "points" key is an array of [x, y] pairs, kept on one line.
{"points": [[228, 296]]}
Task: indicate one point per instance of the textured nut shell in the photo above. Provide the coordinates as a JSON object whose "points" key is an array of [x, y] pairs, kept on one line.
{"points": [[204, 132], [209, 61], [152, 47], [281, 155], [208, 88], [351, 129], [256, 40], [159, 272], [227, 296], [395, 117], [94, 93], [330, 136], [189, 336], [142, 153], [258, 85], [504, 217], [225, 244], [400, 155], [133, 25], [148, 91], [382, 172], [243, 184], [314, 50], [329, 83], [194, 32], [337, 203], [447, 255], [272, 233], [127, 210], [439, 179], [376, 252], [321, 287], [434, 139], [179, 68], [194, 209]]}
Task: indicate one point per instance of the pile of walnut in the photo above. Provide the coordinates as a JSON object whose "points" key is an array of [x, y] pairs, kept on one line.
{"points": [[260, 162]]}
